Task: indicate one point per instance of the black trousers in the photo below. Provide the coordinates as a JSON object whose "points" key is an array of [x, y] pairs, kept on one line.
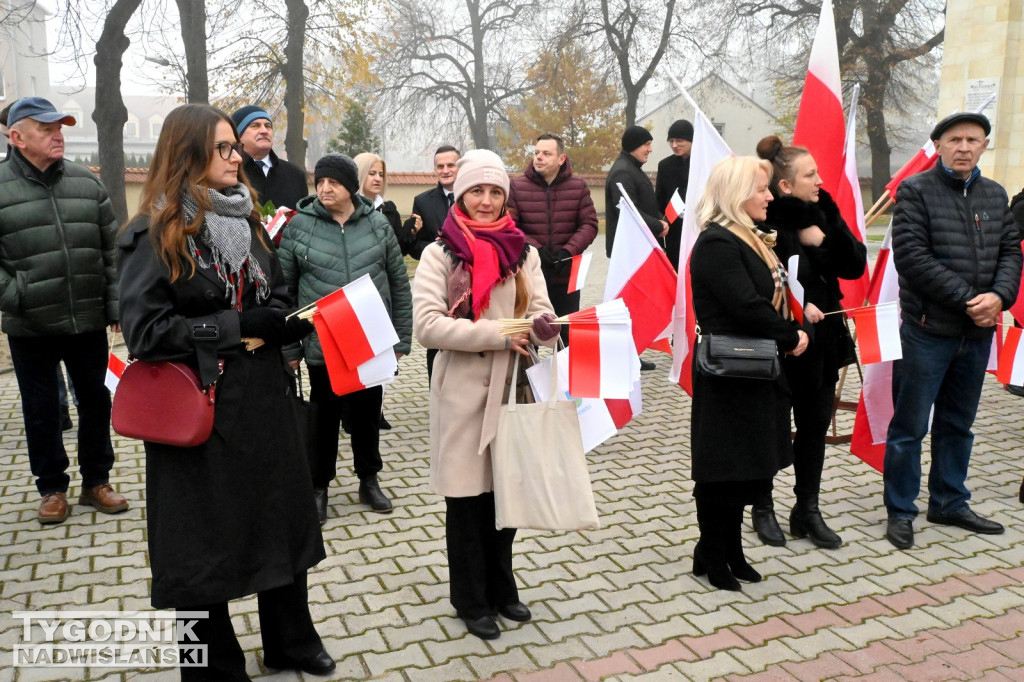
{"points": [[36, 360], [286, 629], [479, 557], [563, 303], [362, 410], [812, 416]]}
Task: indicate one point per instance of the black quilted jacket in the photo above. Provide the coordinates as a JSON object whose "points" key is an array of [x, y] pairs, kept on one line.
{"points": [[953, 240]]}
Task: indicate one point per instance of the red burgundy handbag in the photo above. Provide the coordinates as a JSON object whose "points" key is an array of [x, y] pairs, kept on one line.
{"points": [[163, 402]]}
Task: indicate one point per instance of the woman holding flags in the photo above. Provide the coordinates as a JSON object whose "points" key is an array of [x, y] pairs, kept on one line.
{"points": [[809, 226], [233, 516], [739, 426], [479, 271]]}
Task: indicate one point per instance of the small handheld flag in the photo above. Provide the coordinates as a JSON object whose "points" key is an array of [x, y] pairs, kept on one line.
{"points": [[675, 207], [580, 268]]}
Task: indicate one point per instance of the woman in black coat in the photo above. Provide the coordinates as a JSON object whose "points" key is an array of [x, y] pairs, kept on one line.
{"points": [[235, 515], [373, 183], [739, 427], [809, 226]]}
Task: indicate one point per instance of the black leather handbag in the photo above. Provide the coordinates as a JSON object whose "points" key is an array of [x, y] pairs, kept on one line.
{"points": [[737, 357]]}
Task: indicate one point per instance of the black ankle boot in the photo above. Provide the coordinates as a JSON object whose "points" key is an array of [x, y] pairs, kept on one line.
{"points": [[805, 522], [712, 564], [762, 517], [371, 494], [733, 543]]}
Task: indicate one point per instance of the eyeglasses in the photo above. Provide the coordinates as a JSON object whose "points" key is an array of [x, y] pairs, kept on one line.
{"points": [[225, 149]]}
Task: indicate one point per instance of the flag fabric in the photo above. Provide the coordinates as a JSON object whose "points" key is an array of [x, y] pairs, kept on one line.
{"points": [[708, 149], [918, 163], [346, 379], [875, 405], [1011, 360], [795, 290], [358, 321], [604, 362], [115, 368], [1017, 309], [580, 268], [851, 206], [878, 333], [641, 275], [675, 207], [275, 223], [995, 352], [819, 121]]}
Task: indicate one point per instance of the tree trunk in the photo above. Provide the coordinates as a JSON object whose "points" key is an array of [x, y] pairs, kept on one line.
{"points": [[632, 95], [873, 100], [193, 34], [294, 83], [110, 113], [478, 118]]}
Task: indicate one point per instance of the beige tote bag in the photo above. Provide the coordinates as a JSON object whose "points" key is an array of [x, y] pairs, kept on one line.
{"points": [[540, 471]]}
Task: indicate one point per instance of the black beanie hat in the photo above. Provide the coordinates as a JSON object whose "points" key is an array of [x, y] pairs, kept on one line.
{"points": [[634, 137], [681, 130], [338, 167]]}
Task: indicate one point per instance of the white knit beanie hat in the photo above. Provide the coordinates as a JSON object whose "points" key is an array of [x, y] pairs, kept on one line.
{"points": [[480, 167]]}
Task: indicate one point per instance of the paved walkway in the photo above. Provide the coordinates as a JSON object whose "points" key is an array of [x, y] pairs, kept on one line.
{"points": [[618, 603]]}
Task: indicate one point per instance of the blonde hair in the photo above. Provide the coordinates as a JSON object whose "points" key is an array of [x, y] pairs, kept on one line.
{"points": [[732, 182], [364, 162]]}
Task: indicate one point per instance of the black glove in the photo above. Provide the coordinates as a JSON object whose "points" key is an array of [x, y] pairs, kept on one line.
{"points": [[297, 329], [547, 259], [264, 323], [563, 261]]}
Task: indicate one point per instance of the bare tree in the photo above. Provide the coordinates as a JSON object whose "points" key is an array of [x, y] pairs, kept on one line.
{"points": [[110, 113], [623, 22], [294, 82], [462, 64], [883, 44]]}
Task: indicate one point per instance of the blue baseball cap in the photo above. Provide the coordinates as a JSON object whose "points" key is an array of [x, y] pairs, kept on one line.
{"points": [[37, 109]]}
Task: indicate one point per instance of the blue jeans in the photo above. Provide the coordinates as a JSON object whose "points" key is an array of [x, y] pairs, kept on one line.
{"points": [[35, 361], [947, 372]]}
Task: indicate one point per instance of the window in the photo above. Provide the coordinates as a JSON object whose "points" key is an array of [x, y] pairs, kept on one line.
{"points": [[154, 128], [720, 127], [131, 129], [3, 87]]}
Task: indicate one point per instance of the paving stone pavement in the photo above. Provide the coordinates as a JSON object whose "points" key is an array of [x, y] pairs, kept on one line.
{"points": [[617, 603]]}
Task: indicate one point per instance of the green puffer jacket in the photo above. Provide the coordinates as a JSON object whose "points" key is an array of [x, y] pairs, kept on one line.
{"points": [[318, 256], [58, 272]]}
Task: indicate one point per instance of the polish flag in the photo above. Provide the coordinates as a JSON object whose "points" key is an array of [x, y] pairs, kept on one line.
{"points": [[795, 290], [603, 357], [819, 121], [708, 149], [358, 320], [878, 332], [918, 163], [875, 406], [675, 207], [1011, 360], [641, 275], [377, 371], [1017, 309], [115, 368], [995, 352], [580, 268], [275, 223], [851, 206]]}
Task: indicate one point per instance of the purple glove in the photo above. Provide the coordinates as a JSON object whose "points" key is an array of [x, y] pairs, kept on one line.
{"points": [[542, 327]]}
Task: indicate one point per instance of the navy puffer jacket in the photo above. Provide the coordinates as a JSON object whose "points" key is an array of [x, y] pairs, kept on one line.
{"points": [[952, 240]]}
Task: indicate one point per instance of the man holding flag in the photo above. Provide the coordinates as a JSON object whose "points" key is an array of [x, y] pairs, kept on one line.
{"points": [[670, 188], [958, 255]]}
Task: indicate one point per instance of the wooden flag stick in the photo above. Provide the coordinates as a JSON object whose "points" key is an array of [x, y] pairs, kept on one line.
{"points": [[870, 217], [881, 200], [303, 313]]}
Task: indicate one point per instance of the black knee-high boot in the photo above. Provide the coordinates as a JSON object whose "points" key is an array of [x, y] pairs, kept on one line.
{"points": [[709, 556], [741, 570]]}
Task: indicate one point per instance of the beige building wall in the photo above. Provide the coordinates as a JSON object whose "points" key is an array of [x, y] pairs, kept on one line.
{"points": [[987, 44]]}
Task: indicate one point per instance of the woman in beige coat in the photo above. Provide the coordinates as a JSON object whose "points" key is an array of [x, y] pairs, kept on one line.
{"points": [[480, 270]]}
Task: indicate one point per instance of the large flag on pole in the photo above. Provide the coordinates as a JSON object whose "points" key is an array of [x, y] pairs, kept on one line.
{"points": [[708, 149], [919, 162], [819, 121], [851, 206]]}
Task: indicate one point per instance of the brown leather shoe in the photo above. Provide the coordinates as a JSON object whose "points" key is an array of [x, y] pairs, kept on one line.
{"points": [[53, 508], [104, 498]]}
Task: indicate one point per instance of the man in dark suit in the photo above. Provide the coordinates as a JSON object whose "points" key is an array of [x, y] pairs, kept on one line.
{"points": [[274, 179], [673, 176], [429, 210]]}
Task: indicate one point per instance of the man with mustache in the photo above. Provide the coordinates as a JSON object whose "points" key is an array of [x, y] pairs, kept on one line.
{"points": [[957, 252]]}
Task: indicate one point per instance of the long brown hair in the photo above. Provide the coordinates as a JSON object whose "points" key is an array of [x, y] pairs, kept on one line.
{"points": [[782, 157], [183, 154]]}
